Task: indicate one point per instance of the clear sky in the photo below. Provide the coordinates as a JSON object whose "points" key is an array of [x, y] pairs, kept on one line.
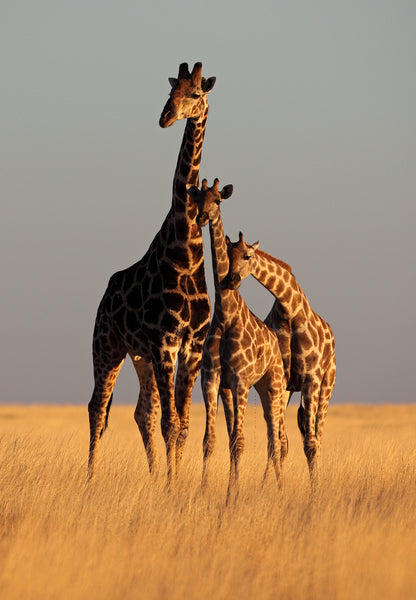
{"points": [[312, 119]]}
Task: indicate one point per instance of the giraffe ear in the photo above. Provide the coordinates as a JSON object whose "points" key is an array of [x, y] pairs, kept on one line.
{"points": [[255, 245], [173, 81], [226, 191], [194, 192], [208, 84]]}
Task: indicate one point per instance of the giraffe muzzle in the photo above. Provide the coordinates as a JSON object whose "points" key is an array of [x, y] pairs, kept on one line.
{"points": [[202, 219], [235, 280], [168, 116], [166, 120], [231, 282]]}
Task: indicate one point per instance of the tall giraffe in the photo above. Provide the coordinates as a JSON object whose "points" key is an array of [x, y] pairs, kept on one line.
{"points": [[158, 310], [306, 340], [240, 352]]}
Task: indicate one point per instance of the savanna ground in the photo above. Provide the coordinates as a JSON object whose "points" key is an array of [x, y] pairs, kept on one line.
{"points": [[125, 537]]}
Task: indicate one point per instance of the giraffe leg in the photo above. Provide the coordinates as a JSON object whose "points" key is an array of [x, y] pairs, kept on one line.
{"points": [[327, 387], [210, 383], [272, 397], [186, 375], [164, 371], [237, 441], [284, 442], [307, 425], [210, 391], [105, 376], [227, 401], [146, 410]]}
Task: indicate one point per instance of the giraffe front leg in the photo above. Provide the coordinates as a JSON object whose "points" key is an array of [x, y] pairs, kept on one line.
{"points": [[237, 442], [272, 399], [187, 371], [146, 410], [170, 424], [210, 383], [210, 387]]}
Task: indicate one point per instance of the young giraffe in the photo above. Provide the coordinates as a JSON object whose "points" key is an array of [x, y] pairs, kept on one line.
{"points": [[306, 341], [240, 352], [158, 310]]}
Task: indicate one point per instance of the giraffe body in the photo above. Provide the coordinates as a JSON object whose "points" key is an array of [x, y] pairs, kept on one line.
{"points": [[240, 352], [306, 341], [157, 311]]}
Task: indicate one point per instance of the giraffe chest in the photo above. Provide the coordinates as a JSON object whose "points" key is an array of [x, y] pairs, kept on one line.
{"points": [[151, 308], [247, 354]]}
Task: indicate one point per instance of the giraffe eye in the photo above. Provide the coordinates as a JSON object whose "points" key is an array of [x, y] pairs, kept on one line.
{"points": [[195, 96], [217, 202], [247, 257]]}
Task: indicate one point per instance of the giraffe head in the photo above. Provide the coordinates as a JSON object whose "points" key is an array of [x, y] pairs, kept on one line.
{"points": [[208, 200], [240, 257], [187, 99]]}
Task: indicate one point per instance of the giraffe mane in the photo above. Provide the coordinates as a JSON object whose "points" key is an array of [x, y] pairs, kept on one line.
{"points": [[281, 263]]}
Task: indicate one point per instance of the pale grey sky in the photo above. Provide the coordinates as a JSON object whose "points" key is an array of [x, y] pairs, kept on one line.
{"points": [[312, 120]]}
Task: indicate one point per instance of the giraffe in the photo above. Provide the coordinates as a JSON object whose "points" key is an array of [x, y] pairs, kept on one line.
{"points": [[306, 341], [240, 352], [157, 311]]}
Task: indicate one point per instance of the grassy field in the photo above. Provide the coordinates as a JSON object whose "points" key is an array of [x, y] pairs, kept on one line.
{"points": [[125, 537]]}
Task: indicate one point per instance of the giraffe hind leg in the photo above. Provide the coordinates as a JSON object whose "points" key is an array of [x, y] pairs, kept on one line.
{"points": [[227, 402], [327, 387], [107, 414], [301, 417], [99, 408], [311, 418], [307, 426], [284, 441]]}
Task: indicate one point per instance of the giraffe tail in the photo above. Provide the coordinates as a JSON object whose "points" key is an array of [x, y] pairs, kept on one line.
{"points": [[301, 416], [107, 413]]}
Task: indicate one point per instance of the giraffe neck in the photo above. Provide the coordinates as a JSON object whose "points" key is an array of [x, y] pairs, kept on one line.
{"points": [[180, 236], [226, 300], [187, 167], [281, 283]]}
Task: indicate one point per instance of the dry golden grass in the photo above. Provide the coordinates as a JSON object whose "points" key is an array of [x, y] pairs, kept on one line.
{"points": [[125, 537]]}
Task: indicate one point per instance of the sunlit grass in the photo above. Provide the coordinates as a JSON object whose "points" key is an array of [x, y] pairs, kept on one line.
{"points": [[124, 536]]}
